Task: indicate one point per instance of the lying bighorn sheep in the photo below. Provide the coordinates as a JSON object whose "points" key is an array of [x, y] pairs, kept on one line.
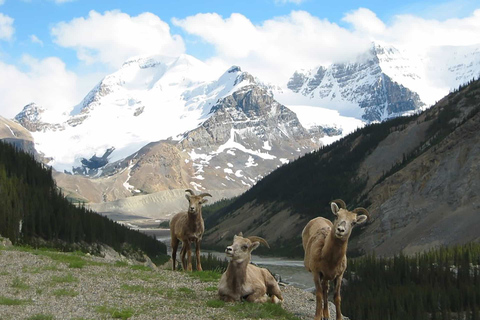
{"points": [[188, 227], [325, 246], [244, 280]]}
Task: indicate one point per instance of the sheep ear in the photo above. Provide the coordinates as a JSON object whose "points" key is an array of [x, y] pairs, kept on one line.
{"points": [[187, 196], [204, 200], [334, 207], [361, 219], [254, 245], [240, 234]]}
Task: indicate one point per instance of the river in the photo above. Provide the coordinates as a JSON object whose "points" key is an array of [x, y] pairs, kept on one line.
{"points": [[290, 271]]}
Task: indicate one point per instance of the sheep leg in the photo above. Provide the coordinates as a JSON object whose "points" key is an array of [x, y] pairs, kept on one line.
{"points": [[197, 253], [174, 244], [337, 297], [326, 313], [257, 297], [273, 290], [183, 253], [319, 295], [188, 249]]}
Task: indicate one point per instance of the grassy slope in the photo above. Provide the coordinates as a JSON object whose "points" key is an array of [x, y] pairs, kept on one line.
{"points": [[39, 284]]}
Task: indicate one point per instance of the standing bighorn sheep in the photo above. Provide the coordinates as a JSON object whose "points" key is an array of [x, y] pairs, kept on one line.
{"points": [[188, 227], [243, 280], [325, 246]]}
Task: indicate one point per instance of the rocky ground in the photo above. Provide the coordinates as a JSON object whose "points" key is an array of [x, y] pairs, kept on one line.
{"points": [[37, 284]]}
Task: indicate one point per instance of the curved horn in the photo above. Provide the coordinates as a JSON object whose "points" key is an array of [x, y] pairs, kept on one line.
{"points": [[205, 195], [261, 240], [341, 203], [190, 191], [362, 211]]}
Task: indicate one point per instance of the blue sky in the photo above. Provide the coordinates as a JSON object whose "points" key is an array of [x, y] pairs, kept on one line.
{"points": [[73, 44]]}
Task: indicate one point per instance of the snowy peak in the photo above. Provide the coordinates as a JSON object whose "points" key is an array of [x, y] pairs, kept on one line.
{"points": [[32, 118], [362, 82]]}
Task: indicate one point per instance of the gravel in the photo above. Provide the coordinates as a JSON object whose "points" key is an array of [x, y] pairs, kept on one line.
{"points": [[43, 287]]}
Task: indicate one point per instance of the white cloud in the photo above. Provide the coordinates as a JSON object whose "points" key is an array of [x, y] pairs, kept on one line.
{"points": [[2, 2], [366, 21], [6, 27], [412, 31], [47, 82], [62, 1], [276, 48], [35, 39], [112, 37]]}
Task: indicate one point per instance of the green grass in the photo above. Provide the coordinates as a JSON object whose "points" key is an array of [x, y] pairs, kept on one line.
{"points": [[115, 312], [215, 303], [12, 302], [206, 276], [140, 267], [41, 317], [65, 293], [19, 284], [69, 278], [133, 288], [211, 289], [186, 291], [119, 263], [261, 311]]}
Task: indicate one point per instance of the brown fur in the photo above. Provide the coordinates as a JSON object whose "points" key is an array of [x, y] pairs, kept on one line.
{"points": [[188, 227], [243, 280], [325, 244]]}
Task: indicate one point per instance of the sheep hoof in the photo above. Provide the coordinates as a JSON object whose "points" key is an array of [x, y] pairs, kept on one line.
{"points": [[276, 300]]}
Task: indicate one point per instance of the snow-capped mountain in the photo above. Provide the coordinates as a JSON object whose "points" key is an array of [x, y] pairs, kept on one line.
{"points": [[362, 88], [160, 124], [385, 81], [148, 99]]}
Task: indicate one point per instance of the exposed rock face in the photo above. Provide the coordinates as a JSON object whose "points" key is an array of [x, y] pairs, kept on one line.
{"points": [[13, 133], [363, 83], [248, 135], [31, 119], [432, 200]]}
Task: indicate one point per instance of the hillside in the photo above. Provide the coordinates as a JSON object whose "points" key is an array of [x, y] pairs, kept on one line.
{"points": [[38, 284], [33, 211], [417, 175]]}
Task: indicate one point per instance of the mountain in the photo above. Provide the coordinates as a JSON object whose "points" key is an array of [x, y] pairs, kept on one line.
{"points": [[33, 212], [157, 127], [418, 176], [13, 133], [386, 82]]}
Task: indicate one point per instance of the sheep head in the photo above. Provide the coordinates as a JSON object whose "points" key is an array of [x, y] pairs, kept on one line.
{"points": [[241, 248], [195, 201], [346, 220]]}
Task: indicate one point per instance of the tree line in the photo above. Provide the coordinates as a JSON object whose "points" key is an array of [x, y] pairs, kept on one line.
{"points": [[33, 211], [441, 284]]}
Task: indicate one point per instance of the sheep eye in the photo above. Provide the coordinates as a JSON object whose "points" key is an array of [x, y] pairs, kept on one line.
{"points": [[354, 223], [244, 247]]}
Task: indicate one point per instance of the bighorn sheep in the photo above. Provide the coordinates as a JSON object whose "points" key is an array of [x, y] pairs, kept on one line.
{"points": [[244, 280], [325, 246], [188, 227]]}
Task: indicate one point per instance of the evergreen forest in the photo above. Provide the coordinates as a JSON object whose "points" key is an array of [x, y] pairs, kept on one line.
{"points": [[441, 284], [34, 212]]}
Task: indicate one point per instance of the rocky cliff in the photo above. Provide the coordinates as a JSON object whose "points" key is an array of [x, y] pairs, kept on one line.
{"points": [[418, 176]]}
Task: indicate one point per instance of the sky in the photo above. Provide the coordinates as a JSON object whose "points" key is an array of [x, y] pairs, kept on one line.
{"points": [[52, 52]]}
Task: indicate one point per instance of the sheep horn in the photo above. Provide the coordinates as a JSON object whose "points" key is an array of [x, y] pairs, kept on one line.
{"points": [[190, 191], [341, 203], [205, 195], [261, 240], [362, 211]]}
